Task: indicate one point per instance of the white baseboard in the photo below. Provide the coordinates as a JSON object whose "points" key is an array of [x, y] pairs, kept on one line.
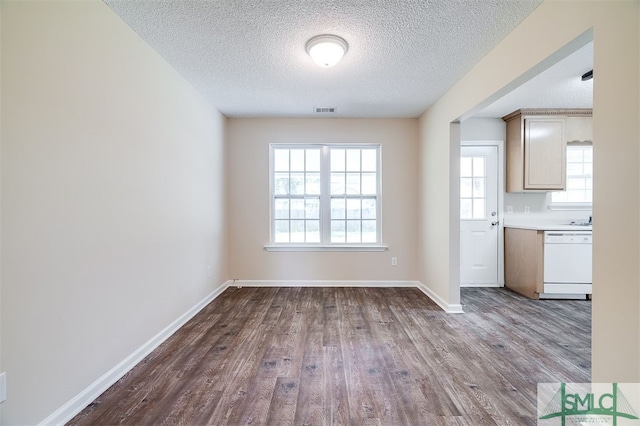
{"points": [[94, 390], [321, 283], [447, 307]]}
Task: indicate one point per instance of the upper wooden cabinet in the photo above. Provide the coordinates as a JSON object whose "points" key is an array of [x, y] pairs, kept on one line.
{"points": [[537, 146], [579, 129]]}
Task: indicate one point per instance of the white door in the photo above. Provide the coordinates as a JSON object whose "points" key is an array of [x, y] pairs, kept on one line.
{"points": [[479, 221]]}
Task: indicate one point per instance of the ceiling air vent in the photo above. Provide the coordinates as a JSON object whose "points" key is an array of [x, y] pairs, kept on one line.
{"points": [[324, 110]]}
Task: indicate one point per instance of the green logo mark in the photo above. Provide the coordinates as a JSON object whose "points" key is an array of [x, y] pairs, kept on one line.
{"points": [[587, 405]]}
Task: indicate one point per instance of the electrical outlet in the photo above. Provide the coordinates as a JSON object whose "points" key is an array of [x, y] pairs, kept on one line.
{"points": [[527, 210], [394, 261], [3, 387]]}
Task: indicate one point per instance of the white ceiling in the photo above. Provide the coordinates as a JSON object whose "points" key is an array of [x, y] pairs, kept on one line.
{"points": [[560, 86], [248, 56]]}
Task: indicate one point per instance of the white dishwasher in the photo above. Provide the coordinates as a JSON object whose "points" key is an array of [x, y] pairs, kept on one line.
{"points": [[567, 264]]}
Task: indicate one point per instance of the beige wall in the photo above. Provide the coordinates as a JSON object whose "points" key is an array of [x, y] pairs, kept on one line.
{"points": [[249, 141], [113, 196], [551, 32], [1, 364]]}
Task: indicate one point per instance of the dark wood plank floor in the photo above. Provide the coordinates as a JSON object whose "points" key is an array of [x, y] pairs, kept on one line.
{"points": [[313, 356]]}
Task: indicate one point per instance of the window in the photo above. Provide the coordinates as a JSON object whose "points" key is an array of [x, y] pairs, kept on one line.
{"points": [[472, 188], [579, 178], [325, 195]]}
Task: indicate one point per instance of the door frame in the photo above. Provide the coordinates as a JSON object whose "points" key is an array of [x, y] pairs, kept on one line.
{"points": [[501, 188]]}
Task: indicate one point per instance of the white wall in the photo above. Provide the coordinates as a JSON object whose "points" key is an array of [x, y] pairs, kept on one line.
{"points": [[483, 129], [249, 141], [551, 32], [113, 199]]}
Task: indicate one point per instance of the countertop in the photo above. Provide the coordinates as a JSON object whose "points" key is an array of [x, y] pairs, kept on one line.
{"points": [[543, 225]]}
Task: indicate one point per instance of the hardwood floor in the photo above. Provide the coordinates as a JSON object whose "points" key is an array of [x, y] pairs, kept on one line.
{"points": [[311, 356]]}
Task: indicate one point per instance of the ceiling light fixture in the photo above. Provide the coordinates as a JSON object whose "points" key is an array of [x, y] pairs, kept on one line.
{"points": [[326, 50]]}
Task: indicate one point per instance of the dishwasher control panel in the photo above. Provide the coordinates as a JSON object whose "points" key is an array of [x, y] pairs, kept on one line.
{"points": [[567, 237]]}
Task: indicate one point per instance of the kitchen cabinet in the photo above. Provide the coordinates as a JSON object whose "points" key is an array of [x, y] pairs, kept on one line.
{"points": [[537, 145], [523, 261], [579, 129]]}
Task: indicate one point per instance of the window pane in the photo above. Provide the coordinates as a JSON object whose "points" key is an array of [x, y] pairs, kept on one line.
{"points": [[281, 183], [337, 231], [281, 231], [369, 184], [313, 160], [353, 160], [478, 187], [575, 183], [368, 209], [478, 209], [281, 209], [353, 183], [297, 209], [587, 153], [574, 169], [313, 231], [312, 208], [478, 166], [466, 209], [466, 185], [353, 209], [369, 160], [337, 160], [337, 184], [338, 209], [297, 160], [369, 231], [465, 167], [588, 169], [297, 183], [297, 231], [353, 231], [313, 184], [574, 155], [576, 196], [281, 160]]}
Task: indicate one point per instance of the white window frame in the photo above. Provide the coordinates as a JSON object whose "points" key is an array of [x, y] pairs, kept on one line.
{"points": [[572, 205], [325, 202]]}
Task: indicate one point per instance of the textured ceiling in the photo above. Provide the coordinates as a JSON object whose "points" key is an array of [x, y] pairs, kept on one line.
{"points": [[560, 86], [248, 56]]}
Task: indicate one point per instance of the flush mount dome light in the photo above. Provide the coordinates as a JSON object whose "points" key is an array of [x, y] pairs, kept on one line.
{"points": [[326, 50]]}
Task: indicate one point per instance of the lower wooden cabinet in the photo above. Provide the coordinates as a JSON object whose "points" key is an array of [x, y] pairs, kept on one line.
{"points": [[523, 261]]}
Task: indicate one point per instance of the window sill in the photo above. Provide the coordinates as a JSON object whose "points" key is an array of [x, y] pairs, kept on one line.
{"points": [[571, 206], [320, 247]]}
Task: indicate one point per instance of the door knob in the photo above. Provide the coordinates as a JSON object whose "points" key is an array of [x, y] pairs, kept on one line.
{"points": [[494, 223]]}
